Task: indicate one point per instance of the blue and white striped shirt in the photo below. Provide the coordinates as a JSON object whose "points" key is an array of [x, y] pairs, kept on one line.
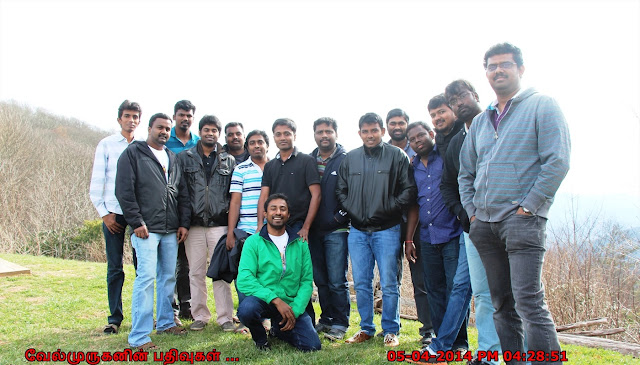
{"points": [[247, 180], [102, 189]]}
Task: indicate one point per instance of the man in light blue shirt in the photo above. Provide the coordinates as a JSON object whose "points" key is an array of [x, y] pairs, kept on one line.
{"points": [[102, 192]]}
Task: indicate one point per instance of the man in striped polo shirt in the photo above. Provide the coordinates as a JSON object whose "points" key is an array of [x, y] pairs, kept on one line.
{"points": [[245, 187]]}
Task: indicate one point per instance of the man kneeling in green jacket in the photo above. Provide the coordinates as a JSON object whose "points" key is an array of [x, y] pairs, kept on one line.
{"points": [[276, 275]]}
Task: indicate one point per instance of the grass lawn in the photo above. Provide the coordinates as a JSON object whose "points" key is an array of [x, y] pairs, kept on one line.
{"points": [[63, 305]]}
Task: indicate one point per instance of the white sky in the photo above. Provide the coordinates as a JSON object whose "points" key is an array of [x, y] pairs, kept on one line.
{"points": [[254, 62]]}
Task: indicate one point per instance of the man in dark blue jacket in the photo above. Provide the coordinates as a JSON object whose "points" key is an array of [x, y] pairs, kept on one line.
{"points": [[328, 239]]}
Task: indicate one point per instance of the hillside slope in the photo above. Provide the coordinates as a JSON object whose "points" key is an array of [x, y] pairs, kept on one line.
{"points": [[45, 168]]}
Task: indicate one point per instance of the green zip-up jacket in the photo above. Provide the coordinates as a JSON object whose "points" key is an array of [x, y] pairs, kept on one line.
{"points": [[261, 274]]}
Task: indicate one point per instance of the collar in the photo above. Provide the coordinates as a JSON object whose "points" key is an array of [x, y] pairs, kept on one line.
{"points": [[201, 150], [494, 103], [123, 138], [173, 134], [264, 233], [406, 148], [432, 155], [293, 154], [373, 150]]}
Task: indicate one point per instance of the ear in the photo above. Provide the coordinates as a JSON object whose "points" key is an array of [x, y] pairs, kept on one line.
{"points": [[382, 130], [521, 70], [432, 135]]}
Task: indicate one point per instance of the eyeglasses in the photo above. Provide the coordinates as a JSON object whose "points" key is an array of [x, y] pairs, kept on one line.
{"points": [[454, 100], [507, 65]]}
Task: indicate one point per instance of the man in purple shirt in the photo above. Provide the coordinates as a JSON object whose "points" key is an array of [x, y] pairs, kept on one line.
{"points": [[440, 244]]}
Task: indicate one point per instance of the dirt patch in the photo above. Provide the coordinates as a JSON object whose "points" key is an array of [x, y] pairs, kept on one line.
{"points": [[36, 300]]}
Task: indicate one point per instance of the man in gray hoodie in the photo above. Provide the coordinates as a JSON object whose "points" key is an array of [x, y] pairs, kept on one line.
{"points": [[511, 165]]}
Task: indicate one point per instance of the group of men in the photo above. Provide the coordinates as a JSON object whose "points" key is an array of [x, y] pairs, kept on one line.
{"points": [[466, 200]]}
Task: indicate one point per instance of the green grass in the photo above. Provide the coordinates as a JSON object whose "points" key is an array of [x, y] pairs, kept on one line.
{"points": [[63, 305]]}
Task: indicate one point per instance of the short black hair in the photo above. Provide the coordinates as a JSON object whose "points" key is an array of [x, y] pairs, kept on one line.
{"points": [[185, 105], [158, 116], [285, 122], [233, 124], [504, 48], [397, 112], [129, 105], [436, 101], [253, 133], [325, 120], [458, 86], [370, 118], [209, 120], [275, 196], [419, 124]]}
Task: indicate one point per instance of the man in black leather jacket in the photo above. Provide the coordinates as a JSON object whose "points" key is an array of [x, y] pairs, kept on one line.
{"points": [[374, 186], [207, 169], [152, 194]]}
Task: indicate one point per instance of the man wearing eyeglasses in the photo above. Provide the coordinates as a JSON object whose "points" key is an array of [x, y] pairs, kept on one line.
{"points": [[511, 165]]}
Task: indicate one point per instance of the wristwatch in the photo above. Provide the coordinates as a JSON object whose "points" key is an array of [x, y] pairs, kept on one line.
{"points": [[525, 210]]}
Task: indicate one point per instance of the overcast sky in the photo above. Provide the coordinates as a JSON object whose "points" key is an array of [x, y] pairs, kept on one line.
{"points": [[253, 62]]}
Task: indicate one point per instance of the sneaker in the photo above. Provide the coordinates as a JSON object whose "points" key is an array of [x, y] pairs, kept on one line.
{"points": [[461, 350], [176, 320], [321, 327], [264, 347], [228, 326], [431, 359], [334, 334], [426, 339], [267, 325], [359, 337], [391, 340], [197, 325], [475, 361]]}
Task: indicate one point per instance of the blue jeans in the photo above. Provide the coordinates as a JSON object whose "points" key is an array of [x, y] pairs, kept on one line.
{"points": [[157, 257], [114, 247], [512, 252], [366, 249], [303, 336], [329, 257], [296, 227], [440, 264], [487, 336], [451, 333]]}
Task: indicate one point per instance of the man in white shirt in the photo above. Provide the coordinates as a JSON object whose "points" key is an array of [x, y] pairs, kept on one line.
{"points": [[102, 192]]}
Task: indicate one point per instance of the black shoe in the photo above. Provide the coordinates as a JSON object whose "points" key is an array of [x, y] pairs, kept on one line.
{"points": [[264, 347], [321, 327], [426, 339]]}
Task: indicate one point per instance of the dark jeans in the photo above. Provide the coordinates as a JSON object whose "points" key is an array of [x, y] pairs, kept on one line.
{"points": [[419, 289], [303, 336], [512, 252], [183, 288], [452, 333], [329, 257], [297, 226], [114, 246], [440, 263]]}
